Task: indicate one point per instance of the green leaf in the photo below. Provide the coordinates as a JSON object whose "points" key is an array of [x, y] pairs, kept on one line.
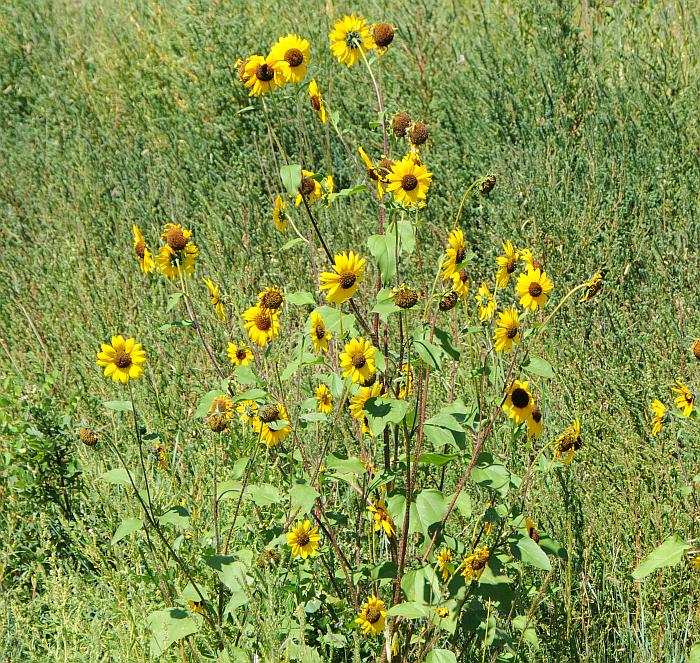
{"points": [[172, 301], [177, 515], [528, 629], [440, 656], [246, 375], [409, 610], [358, 188], [437, 459], [232, 573], [291, 178], [427, 351], [338, 464], [669, 553], [407, 235], [537, 366], [694, 654], [431, 506], [332, 317], [205, 403], [524, 549], [292, 243], [250, 395], [383, 250], [385, 305], [264, 494], [490, 474], [303, 497], [119, 406], [127, 526], [384, 411], [117, 476], [445, 341], [552, 547], [422, 585], [301, 298], [168, 626]]}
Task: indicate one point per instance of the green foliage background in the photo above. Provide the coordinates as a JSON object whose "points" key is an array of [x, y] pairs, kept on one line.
{"points": [[115, 113]]}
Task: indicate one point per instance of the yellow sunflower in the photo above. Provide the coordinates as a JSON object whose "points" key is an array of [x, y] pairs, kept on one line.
{"points": [[279, 216], [534, 422], [375, 173], [592, 287], [685, 401], [123, 360], [445, 560], [408, 180], [473, 566], [271, 300], [405, 378], [486, 303], [264, 74], [144, 256], [659, 410], [239, 355], [171, 262], [304, 539], [262, 325], [349, 273], [460, 283], [296, 52], [372, 616], [506, 264], [215, 299], [222, 406], [272, 424], [382, 519], [456, 253], [317, 101], [324, 398], [350, 39], [507, 331], [568, 443], [175, 236], [328, 187], [247, 412], [357, 361], [533, 287], [357, 402], [309, 188], [319, 335], [518, 402], [529, 259]]}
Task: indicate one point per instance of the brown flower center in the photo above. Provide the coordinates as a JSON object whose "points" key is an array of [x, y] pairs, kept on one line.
{"points": [[462, 273], [269, 414], [307, 186], [520, 398], [122, 359], [140, 249], [264, 72], [241, 354], [512, 332], [347, 281], [373, 615], [535, 289], [510, 265], [294, 57], [409, 182], [263, 321], [478, 564], [383, 35], [533, 534], [316, 102], [358, 361], [303, 538], [536, 415], [176, 239], [272, 299], [320, 333], [460, 254]]}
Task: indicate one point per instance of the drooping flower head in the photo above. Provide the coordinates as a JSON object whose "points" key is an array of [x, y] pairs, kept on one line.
{"points": [[215, 298], [382, 519], [473, 566], [507, 264], [685, 401], [145, 257], [350, 39], [375, 173], [263, 74], [408, 181], [349, 273], [271, 299], [303, 540], [592, 287], [324, 399], [279, 215], [262, 325], [239, 355], [319, 335], [535, 424], [518, 402], [317, 101], [485, 302], [272, 424], [568, 443], [383, 36], [460, 283], [533, 287], [358, 401], [507, 332], [372, 616], [179, 254], [310, 188], [296, 52], [659, 411], [122, 360], [405, 297], [445, 560], [220, 412], [456, 253], [357, 361]]}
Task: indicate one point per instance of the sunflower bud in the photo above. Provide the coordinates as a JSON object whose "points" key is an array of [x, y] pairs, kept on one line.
{"points": [[418, 133], [695, 347], [383, 34], [88, 437], [400, 123], [487, 185], [449, 301]]}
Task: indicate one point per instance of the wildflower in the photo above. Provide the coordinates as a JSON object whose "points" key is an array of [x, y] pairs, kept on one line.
{"points": [[373, 172], [319, 335], [88, 437], [506, 264], [532, 530], [383, 35], [445, 560], [324, 398], [529, 260], [659, 410], [358, 401], [279, 216], [272, 424], [418, 133], [350, 39], [296, 52], [507, 331], [160, 456], [408, 181], [568, 443], [223, 406], [592, 287], [145, 257], [404, 297], [122, 360], [518, 402], [449, 301], [695, 348], [474, 564], [171, 262], [269, 557], [460, 283], [382, 519], [694, 559], [349, 273], [486, 303], [328, 186], [534, 422], [406, 378], [357, 361], [304, 539], [264, 74], [215, 299], [685, 399], [240, 66], [442, 612], [176, 236], [400, 123], [262, 325], [533, 287], [317, 101], [247, 412], [309, 189], [271, 300], [456, 253], [487, 185], [239, 355], [372, 616], [196, 606]]}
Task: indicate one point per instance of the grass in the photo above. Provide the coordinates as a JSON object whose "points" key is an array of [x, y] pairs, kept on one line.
{"points": [[116, 113]]}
